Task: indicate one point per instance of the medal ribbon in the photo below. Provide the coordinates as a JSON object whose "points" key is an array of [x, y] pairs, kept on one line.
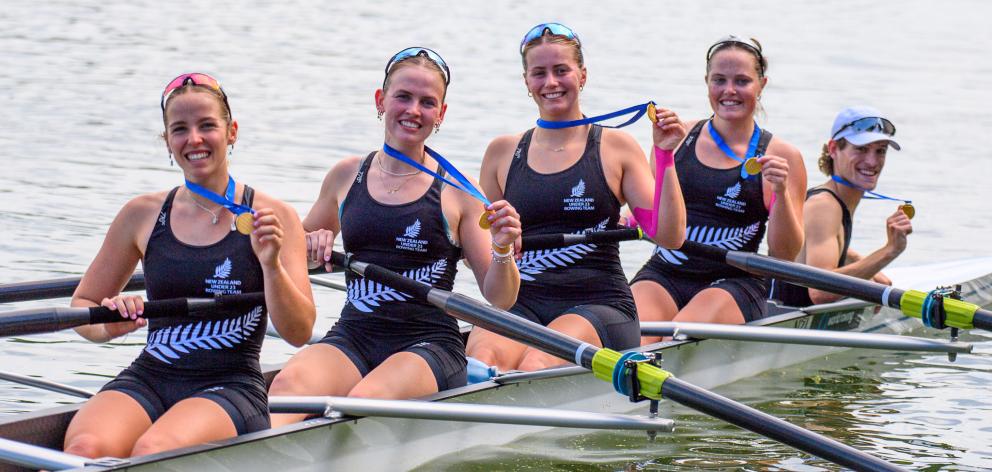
{"points": [[639, 109], [463, 183], [227, 201], [871, 195], [752, 147]]}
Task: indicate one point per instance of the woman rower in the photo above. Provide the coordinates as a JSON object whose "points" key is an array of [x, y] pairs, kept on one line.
{"points": [[391, 210], [571, 180], [736, 178], [198, 378]]}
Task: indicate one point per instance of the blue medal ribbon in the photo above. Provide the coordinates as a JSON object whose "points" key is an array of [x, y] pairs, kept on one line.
{"points": [[227, 201], [871, 195], [752, 147], [463, 183], [639, 109]]}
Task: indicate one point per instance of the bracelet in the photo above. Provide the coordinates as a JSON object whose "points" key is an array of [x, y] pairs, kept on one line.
{"points": [[503, 254], [500, 246], [502, 259]]}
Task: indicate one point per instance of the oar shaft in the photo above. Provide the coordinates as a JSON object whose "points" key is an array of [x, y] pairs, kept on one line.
{"points": [[46, 385], [772, 427], [43, 320], [548, 241], [54, 288]]}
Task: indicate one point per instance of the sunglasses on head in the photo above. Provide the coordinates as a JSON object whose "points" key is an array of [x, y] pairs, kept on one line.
{"points": [[548, 28], [419, 51], [748, 43], [194, 78], [869, 124]]}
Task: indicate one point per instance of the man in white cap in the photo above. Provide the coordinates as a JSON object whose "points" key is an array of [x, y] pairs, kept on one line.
{"points": [[853, 159]]}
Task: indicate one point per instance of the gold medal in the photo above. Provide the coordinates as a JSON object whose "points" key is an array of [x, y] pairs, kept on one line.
{"points": [[752, 166], [484, 222], [245, 223], [908, 209], [652, 113]]}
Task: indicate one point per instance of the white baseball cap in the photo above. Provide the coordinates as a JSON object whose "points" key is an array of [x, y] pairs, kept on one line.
{"points": [[863, 125]]}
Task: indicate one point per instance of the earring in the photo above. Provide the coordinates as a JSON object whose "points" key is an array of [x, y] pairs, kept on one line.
{"points": [[380, 115], [230, 151], [171, 162], [437, 127], [582, 87], [531, 95]]}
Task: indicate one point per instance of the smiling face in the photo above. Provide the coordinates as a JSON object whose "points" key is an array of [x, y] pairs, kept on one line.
{"points": [[734, 84], [860, 165], [412, 103], [197, 134], [554, 77]]}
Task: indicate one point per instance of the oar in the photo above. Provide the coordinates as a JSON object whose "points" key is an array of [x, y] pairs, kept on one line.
{"points": [[646, 380], [54, 288], [809, 337], [44, 320], [46, 385], [549, 241], [956, 313]]}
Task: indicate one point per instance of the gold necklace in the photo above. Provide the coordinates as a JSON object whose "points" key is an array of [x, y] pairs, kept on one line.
{"points": [[390, 191], [378, 160]]}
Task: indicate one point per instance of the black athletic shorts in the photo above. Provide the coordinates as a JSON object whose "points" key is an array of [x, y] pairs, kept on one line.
{"points": [[445, 358], [245, 402], [616, 324], [748, 292]]}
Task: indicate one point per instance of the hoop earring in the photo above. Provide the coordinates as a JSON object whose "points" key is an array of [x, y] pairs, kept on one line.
{"points": [[380, 115], [437, 127]]}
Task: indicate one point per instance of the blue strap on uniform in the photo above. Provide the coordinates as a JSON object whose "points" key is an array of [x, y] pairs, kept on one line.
{"points": [[871, 195], [463, 183], [639, 109], [752, 147], [227, 201]]}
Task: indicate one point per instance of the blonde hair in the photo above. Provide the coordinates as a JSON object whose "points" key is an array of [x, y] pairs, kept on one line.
{"points": [[416, 60], [554, 39], [826, 161]]}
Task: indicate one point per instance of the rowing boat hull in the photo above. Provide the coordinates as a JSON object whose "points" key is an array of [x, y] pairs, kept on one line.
{"points": [[371, 443]]}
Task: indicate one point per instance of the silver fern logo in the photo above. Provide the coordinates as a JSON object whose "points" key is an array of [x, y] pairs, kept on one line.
{"points": [[729, 200], [730, 239], [577, 201], [413, 230], [534, 263], [172, 343], [223, 271], [410, 240], [733, 191], [365, 295], [579, 189]]}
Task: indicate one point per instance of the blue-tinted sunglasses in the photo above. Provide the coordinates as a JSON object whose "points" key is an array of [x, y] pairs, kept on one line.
{"points": [[548, 28], [869, 124], [419, 51]]}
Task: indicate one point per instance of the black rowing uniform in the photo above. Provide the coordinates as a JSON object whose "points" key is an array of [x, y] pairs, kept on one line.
{"points": [[377, 321], [722, 210], [212, 355], [794, 295], [585, 279]]}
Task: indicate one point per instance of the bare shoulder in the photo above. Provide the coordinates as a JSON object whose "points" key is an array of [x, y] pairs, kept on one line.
{"points": [[264, 200], [615, 138], [501, 148], [822, 209], [779, 147], [144, 205], [345, 170]]}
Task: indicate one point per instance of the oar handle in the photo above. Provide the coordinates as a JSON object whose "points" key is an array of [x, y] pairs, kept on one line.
{"points": [[44, 320], [549, 241]]}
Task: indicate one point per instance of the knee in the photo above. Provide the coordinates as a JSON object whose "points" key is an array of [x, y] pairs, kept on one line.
{"points": [[150, 443], [538, 360], [370, 390], [485, 354], [87, 445], [287, 382]]}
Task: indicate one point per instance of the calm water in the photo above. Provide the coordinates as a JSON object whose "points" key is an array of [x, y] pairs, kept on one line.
{"points": [[79, 90]]}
